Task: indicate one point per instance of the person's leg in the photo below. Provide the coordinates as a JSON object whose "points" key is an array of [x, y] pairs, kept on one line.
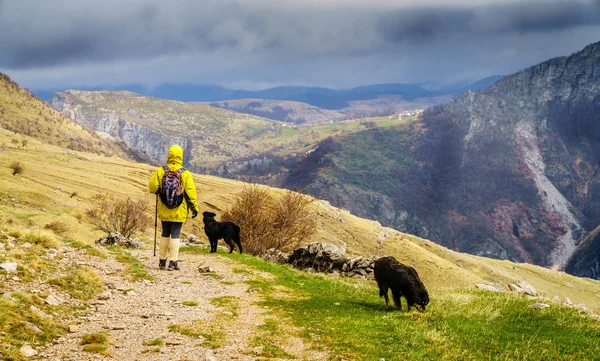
{"points": [[164, 244], [174, 245]]}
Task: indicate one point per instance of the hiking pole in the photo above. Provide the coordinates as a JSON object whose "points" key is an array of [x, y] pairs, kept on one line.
{"points": [[155, 223]]}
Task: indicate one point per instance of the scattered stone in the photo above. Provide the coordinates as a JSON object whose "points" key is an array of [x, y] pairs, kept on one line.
{"points": [[527, 288], [130, 293], [595, 317], [538, 305], [27, 351], [275, 256], [494, 287], [2, 246], [53, 300], [73, 328], [193, 239], [568, 302], [34, 328], [39, 312], [26, 245], [582, 307], [116, 239], [104, 296], [208, 356], [205, 269], [9, 266], [117, 327], [515, 288]]}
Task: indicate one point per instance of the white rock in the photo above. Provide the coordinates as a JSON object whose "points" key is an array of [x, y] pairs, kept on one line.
{"points": [[529, 289], [9, 266], [39, 312], [192, 238], [53, 300], [208, 356], [515, 288], [27, 351], [26, 245], [490, 287], [539, 305], [104, 296], [567, 301], [2, 246]]}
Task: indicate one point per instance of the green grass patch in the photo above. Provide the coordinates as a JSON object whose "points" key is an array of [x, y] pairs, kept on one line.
{"points": [[154, 342], [135, 268], [186, 282], [265, 344], [90, 249], [190, 303], [20, 324], [190, 331], [348, 318], [96, 343], [151, 350], [80, 282]]}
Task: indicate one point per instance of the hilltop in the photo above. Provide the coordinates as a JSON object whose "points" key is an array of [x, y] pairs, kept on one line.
{"points": [[22, 113]]}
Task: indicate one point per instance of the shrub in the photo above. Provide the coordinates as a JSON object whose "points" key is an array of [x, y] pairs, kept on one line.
{"points": [[17, 168], [268, 222], [41, 237], [57, 227], [126, 216]]}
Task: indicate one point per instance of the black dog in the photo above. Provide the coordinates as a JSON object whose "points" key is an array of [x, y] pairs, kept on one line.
{"points": [[403, 281], [214, 230]]}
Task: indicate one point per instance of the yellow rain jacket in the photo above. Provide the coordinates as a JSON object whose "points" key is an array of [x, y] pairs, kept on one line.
{"points": [[174, 162]]}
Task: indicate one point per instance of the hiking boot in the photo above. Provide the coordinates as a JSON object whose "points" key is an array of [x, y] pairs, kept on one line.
{"points": [[173, 266], [162, 264]]}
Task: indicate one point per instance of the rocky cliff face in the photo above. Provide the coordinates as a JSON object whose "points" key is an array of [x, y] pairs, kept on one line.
{"points": [[208, 135], [509, 172]]}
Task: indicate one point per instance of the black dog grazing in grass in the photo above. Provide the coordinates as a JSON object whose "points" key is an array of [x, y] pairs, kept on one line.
{"points": [[403, 281], [214, 230]]}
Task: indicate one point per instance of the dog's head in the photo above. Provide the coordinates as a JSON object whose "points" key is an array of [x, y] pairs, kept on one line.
{"points": [[422, 301], [208, 217]]}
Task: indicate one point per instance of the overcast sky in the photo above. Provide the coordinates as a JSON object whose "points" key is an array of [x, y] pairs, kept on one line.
{"points": [[256, 44]]}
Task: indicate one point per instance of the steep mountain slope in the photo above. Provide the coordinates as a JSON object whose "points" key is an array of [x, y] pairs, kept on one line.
{"points": [[506, 172], [150, 125], [23, 113], [40, 196]]}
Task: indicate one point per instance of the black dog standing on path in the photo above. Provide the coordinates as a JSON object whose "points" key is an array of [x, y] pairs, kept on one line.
{"points": [[214, 230], [403, 281]]}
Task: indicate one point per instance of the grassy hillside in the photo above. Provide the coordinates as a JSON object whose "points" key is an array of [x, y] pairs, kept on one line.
{"points": [[57, 184], [213, 136], [24, 114]]}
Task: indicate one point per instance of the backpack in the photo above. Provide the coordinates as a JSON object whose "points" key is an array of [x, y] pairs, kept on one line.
{"points": [[171, 189]]}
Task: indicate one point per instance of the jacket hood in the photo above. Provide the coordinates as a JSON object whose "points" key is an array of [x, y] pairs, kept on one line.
{"points": [[175, 155]]}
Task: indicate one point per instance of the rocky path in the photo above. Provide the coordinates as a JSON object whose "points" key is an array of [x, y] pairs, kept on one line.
{"points": [[180, 315]]}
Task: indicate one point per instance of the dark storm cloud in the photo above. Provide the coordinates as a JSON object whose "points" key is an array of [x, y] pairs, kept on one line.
{"points": [[327, 42], [108, 31], [423, 24]]}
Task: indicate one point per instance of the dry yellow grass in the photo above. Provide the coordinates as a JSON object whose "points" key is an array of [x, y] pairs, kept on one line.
{"points": [[42, 194]]}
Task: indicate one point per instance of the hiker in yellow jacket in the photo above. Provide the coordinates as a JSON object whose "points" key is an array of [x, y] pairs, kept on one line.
{"points": [[177, 193]]}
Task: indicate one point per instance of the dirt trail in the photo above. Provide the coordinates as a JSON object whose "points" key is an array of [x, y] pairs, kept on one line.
{"points": [[227, 319]]}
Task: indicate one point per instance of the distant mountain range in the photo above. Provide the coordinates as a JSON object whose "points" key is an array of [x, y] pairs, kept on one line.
{"points": [[325, 98]]}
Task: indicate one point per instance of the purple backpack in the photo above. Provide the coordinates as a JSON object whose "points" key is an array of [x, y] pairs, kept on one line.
{"points": [[171, 189]]}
